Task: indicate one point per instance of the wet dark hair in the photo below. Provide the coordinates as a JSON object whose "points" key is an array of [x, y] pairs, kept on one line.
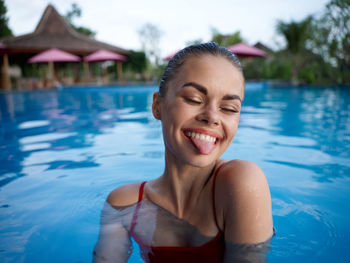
{"points": [[180, 57]]}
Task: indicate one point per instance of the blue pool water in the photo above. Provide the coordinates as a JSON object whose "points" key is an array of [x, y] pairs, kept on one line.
{"points": [[62, 152]]}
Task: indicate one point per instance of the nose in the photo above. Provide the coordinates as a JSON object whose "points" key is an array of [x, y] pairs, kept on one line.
{"points": [[209, 115]]}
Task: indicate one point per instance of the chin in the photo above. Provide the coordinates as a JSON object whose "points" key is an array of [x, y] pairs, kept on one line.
{"points": [[201, 160]]}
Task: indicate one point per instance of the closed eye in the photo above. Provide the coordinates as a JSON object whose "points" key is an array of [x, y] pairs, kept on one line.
{"points": [[193, 101], [229, 110]]}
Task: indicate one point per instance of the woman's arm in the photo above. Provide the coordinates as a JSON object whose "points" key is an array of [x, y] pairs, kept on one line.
{"points": [[114, 243], [246, 212], [246, 253]]}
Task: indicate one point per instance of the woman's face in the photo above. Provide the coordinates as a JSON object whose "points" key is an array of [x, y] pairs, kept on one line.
{"points": [[200, 110]]}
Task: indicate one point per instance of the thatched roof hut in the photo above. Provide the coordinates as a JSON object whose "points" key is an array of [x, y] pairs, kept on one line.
{"points": [[52, 31]]}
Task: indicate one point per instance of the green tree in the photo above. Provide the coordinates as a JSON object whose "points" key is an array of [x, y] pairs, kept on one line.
{"points": [[216, 36], [276, 66], [332, 38], [150, 36], [194, 42], [296, 35], [5, 31], [136, 62], [76, 12], [233, 39], [226, 40]]}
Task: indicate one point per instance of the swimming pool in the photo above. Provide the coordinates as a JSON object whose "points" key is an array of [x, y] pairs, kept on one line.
{"points": [[63, 151]]}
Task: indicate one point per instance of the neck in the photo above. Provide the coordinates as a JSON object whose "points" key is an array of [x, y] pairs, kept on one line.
{"points": [[182, 184]]}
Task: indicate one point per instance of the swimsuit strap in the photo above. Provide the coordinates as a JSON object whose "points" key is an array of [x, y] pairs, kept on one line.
{"points": [[141, 191], [214, 207], [134, 217]]}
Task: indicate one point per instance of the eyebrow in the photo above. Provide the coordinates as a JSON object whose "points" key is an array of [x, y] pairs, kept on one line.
{"points": [[232, 97], [197, 86], [203, 90]]}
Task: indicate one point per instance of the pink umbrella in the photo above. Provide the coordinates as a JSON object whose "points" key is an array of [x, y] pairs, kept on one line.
{"points": [[54, 55], [104, 55], [243, 50]]}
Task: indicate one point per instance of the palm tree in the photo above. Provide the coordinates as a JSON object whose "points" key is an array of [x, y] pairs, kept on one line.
{"points": [[296, 35]]}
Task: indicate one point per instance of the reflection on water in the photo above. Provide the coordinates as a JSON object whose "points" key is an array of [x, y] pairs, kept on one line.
{"points": [[62, 152], [42, 127], [317, 120]]}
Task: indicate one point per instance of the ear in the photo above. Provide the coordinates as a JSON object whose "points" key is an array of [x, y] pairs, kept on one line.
{"points": [[156, 106]]}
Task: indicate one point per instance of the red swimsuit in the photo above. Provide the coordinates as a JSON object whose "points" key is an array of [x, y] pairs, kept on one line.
{"points": [[210, 252]]}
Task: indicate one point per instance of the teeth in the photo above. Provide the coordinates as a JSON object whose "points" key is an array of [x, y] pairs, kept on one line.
{"points": [[201, 136]]}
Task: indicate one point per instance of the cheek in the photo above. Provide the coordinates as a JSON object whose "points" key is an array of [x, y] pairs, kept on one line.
{"points": [[177, 112], [170, 118], [232, 128]]}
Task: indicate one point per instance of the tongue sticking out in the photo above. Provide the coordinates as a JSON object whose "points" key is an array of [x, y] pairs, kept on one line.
{"points": [[204, 147]]}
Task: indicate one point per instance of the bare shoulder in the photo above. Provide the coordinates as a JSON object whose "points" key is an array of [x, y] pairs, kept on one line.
{"points": [[240, 173], [243, 197], [124, 195], [242, 181]]}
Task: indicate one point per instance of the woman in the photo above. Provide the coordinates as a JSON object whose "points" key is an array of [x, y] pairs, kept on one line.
{"points": [[202, 208]]}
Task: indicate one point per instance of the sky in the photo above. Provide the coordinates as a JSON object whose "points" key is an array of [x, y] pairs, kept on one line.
{"points": [[117, 22]]}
